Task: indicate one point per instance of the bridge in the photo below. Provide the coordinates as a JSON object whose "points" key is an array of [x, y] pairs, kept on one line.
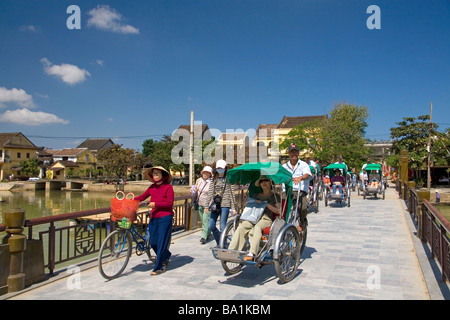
{"points": [[56, 185], [368, 251]]}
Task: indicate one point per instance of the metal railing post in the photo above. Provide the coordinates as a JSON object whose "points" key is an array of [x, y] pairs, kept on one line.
{"points": [[51, 248]]}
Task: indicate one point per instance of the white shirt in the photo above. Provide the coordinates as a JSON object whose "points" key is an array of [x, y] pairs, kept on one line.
{"points": [[346, 168], [312, 163], [297, 171], [363, 176]]}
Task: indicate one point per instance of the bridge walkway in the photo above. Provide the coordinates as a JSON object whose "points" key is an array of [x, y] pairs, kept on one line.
{"points": [[366, 251]]}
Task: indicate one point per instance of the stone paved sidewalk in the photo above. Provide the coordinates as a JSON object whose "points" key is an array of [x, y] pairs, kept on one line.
{"points": [[360, 252]]}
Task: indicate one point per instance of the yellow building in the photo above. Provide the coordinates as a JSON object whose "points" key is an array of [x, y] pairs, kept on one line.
{"points": [[14, 148], [71, 161], [271, 135]]}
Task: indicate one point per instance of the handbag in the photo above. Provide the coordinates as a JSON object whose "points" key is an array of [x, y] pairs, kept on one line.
{"points": [[195, 202], [253, 210], [122, 207], [216, 204]]}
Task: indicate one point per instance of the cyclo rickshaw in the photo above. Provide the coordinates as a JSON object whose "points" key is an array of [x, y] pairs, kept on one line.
{"points": [[314, 189], [281, 245], [376, 183], [328, 194]]}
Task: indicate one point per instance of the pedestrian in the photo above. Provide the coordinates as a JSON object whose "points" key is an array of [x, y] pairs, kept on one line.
{"points": [[201, 189], [301, 174], [340, 160], [221, 200], [161, 202]]}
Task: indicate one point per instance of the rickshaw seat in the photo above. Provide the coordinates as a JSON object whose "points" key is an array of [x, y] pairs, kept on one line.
{"points": [[266, 231]]}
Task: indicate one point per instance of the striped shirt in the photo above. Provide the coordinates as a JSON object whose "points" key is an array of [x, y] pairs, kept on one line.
{"points": [[228, 197]]}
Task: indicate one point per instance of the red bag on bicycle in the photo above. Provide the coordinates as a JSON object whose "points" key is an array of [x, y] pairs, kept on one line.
{"points": [[124, 207]]}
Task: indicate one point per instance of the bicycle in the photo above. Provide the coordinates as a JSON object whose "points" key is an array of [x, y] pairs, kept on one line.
{"points": [[116, 249]]}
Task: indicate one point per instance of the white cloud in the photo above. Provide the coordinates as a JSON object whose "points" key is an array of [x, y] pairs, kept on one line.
{"points": [[30, 118], [106, 18], [16, 96], [68, 73], [28, 28]]}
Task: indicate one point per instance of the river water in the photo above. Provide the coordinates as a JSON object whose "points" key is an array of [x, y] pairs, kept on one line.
{"points": [[48, 203]]}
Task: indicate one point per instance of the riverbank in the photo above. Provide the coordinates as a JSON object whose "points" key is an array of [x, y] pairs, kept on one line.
{"points": [[136, 187]]}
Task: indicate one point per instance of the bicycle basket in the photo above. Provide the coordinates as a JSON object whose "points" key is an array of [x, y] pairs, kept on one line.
{"points": [[122, 207]]}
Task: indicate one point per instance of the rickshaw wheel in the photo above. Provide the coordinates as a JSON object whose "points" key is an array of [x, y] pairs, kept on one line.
{"points": [[316, 202], [225, 238], [303, 236], [287, 251]]}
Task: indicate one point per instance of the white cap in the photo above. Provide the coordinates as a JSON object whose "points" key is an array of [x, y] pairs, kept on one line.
{"points": [[207, 169], [221, 164]]}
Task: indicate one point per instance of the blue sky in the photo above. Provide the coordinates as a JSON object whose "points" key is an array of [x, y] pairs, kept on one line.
{"points": [[136, 69]]}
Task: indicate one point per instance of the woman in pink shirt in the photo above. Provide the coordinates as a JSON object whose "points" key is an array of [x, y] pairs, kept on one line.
{"points": [[161, 202]]}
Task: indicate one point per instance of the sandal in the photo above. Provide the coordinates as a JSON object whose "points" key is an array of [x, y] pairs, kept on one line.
{"points": [[157, 272], [249, 257]]}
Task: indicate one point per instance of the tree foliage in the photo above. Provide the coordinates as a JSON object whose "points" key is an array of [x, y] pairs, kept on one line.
{"points": [[159, 153], [413, 134], [342, 133], [117, 160], [30, 168]]}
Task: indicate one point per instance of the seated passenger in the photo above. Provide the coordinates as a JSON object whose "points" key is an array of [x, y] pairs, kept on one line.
{"points": [[337, 181], [326, 178], [245, 227], [374, 183]]}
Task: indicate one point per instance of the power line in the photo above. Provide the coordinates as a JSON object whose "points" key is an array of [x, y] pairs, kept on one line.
{"points": [[79, 137]]}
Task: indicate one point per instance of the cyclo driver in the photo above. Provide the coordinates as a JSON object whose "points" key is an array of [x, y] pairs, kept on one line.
{"points": [[301, 175]]}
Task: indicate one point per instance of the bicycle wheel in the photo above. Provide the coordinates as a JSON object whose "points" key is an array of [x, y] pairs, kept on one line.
{"points": [[287, 251], [114, 254], [225, 239]]}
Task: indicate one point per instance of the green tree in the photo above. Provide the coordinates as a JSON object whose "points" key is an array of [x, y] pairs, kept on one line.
{"points": [[159, 153], [117, 159], [30, 168], [148, 147], [413, 134], [340, 134]]}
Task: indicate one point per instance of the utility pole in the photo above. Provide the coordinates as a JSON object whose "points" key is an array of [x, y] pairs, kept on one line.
{"points": [[429, 151], [191, 154]]}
